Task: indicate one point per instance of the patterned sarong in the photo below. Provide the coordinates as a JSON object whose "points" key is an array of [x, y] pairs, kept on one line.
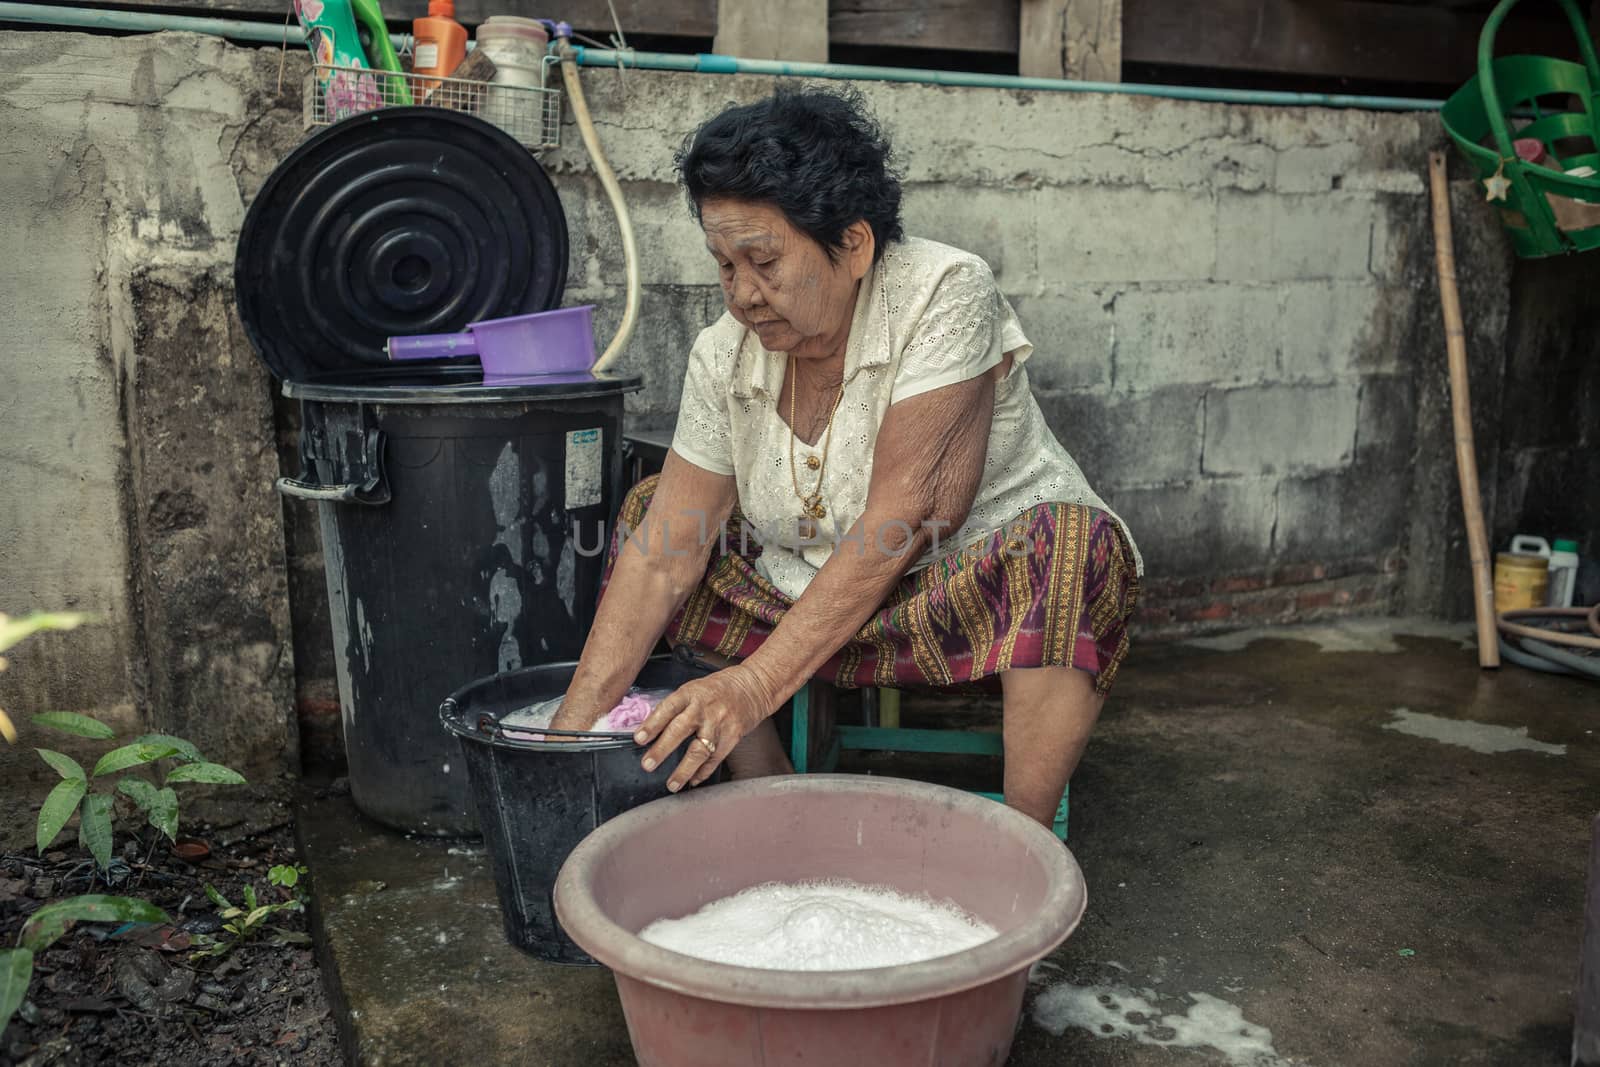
{"points": [[1055, 588]]}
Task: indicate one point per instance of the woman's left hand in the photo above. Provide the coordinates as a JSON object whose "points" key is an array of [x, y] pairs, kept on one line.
{"points": [[713, 714]]}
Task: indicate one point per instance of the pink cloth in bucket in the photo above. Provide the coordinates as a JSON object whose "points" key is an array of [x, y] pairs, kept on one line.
{"points": [[632, 710]]}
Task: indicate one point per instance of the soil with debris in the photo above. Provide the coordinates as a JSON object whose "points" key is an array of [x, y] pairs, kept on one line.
{"points": [[112, 993]]}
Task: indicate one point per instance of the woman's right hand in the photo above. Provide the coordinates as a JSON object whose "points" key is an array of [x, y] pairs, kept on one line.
{"points": [[577, 712]]}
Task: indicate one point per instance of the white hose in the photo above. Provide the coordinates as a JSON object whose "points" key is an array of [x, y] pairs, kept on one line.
{"points": [[630, 254]]}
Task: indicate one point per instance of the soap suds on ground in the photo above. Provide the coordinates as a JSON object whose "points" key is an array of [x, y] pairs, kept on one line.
{"points": [[1116, 1011], [1478, 736], [1348, 635]]}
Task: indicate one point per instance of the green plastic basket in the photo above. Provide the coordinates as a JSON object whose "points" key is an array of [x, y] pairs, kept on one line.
{"points": [[1545, 210]]}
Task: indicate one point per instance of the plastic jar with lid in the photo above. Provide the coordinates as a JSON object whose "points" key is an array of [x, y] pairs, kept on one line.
{"points": [[517, 46]]}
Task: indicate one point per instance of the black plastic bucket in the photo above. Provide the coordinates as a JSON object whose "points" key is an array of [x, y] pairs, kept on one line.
{"points": [[463, 534], [537, 799]]}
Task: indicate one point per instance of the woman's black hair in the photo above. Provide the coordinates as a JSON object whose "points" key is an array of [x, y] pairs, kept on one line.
{"points": [[817, 155]]}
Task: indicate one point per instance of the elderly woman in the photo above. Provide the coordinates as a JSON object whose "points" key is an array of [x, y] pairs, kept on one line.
{"points": [[861, 487]]}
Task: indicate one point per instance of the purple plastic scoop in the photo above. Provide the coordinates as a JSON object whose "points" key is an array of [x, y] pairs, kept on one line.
{"points": [[546, 342]]}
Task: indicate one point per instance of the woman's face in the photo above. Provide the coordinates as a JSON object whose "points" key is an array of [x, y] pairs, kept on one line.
{"points": [[779, 282]]}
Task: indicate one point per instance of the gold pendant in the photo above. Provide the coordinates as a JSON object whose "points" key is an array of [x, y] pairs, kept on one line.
{"points": [[813, 510]]}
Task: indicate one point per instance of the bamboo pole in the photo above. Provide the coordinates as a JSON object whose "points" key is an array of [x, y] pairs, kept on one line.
{"points": [[1461, 413]]}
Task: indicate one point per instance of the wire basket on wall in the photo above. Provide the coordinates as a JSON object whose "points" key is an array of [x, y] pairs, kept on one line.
{"points": [[529, 113]]}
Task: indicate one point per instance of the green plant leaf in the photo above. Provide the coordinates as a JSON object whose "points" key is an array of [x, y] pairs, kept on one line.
{"points": [[290, 937], [141, 791], [285, 875], [16, 971], [214, 773], [250, 897], [51, 921], [72, 723], [120, 759], [185, 749], [64, 765], [57, 809], [164, 813], [212, 947], [257, 915], [14, 630], [94, 827], [216, 898]]}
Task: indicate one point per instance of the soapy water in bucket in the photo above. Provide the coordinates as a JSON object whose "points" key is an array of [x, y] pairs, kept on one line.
{"points": [[634, 707], [820, 926]]}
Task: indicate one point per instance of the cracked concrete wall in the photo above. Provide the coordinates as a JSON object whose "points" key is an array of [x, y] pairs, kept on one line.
{"points": [[138, 447]]}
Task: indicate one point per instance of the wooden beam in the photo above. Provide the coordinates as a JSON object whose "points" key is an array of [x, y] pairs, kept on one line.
{"points": [[1361, 39], [964, 25], [1077, 39], [1344, 38], [677, 18], [773, 29]]}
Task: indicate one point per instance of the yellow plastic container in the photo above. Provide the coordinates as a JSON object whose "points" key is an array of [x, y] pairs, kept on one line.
{"points": [[1520, 581]]}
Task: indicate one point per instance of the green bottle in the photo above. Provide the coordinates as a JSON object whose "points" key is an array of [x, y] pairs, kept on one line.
{"points": [[374, 34]]}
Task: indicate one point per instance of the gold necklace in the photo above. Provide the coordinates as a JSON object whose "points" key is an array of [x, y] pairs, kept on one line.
{"points": [[811, 502]]}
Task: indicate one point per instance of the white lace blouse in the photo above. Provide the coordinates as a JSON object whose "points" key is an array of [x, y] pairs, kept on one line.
{"points": [[928, 315]]}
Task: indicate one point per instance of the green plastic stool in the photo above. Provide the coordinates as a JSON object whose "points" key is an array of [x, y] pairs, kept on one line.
{"points": [[891, 737]]}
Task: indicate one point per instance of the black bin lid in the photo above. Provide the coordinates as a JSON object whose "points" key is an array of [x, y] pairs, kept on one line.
{"points": [[399, 221]]}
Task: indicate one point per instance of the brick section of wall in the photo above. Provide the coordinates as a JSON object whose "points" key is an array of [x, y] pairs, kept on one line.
{"points": [[1282, 594]]}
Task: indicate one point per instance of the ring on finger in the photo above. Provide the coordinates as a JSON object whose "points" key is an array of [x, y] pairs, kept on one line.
{"points": [[710, 745]]}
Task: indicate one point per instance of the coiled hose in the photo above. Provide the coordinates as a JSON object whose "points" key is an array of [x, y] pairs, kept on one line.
{"points": [[1569, 643]]}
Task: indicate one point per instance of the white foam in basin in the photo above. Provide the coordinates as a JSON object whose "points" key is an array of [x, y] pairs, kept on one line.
{"points": [[820, 926], [533, 717]]}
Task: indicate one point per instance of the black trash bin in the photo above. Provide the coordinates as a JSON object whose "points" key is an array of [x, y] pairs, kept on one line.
{"points": [[461, 517], [537, 799], [464, 529]]}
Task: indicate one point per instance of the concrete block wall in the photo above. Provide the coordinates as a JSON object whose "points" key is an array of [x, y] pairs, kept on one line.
{"points": [[1233, 311]]}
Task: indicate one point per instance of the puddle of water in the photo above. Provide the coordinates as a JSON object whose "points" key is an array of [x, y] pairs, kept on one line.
{"points": [[1351, 635], [1478, 736], [1121, 1012]]}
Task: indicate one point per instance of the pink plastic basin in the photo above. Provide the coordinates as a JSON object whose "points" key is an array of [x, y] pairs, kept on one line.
{"points": [[672, 856]]}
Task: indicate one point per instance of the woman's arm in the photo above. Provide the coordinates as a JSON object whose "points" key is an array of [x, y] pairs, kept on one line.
{"points": [[655, 572], [926, 469]]}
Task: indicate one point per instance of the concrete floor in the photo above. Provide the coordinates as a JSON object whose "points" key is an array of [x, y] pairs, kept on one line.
{"points": [[1330, 845]]}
